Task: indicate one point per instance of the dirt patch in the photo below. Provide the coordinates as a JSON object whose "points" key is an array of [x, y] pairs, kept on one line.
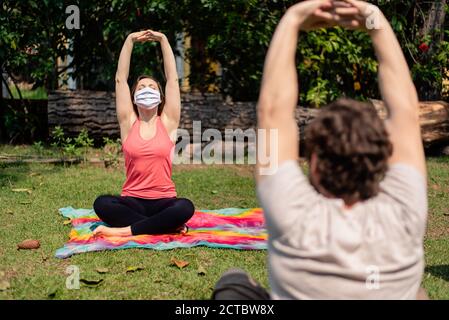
{"points": [[438, 225]]}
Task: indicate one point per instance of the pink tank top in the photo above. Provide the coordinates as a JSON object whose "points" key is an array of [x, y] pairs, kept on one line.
{"points": [[148, 164]]}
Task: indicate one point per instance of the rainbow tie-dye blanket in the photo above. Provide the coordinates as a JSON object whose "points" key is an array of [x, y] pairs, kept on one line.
{"points": [[225, 228]]}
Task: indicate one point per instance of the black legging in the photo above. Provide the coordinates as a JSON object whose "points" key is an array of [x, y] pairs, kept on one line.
{"points": [[145, 216]]}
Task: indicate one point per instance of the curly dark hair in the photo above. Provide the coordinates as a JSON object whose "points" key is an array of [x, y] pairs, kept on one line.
{"points": [[352, 148]]}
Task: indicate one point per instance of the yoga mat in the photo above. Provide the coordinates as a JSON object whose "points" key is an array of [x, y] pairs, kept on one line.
{"points": [[231, 228]]}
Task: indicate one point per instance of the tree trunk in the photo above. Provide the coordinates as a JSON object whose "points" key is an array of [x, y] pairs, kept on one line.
{"points": [[434, 120], [435, 20], [434, 26]]}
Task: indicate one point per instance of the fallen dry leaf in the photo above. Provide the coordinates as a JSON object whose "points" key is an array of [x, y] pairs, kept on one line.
{"points": [[22, 190], [201, 271], [134, 269], [102, 270], [66, 222], [33, 174], [29, 244], [179, 263], [91, 282], [4, 285], [9, 212]]}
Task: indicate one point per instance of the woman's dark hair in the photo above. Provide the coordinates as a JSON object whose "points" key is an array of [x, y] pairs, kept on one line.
{"points": [[133, 90], [352, 149]]}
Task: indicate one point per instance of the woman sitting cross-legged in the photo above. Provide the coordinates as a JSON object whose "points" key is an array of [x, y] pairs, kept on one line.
{"points": [[148, 122]]}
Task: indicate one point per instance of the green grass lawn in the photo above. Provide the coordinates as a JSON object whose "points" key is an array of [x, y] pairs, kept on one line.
{"points": [[40, 150], [36, 274], [39, 93]]}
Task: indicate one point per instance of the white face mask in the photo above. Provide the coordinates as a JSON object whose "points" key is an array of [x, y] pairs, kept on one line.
{"points": [[147, 98]]}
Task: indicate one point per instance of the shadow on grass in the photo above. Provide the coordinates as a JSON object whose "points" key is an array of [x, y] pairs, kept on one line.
{"points": [[14, 172], [441, 271]]}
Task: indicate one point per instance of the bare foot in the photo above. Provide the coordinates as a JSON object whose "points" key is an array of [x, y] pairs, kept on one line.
{"points": [[183, 230], [112, 232]]}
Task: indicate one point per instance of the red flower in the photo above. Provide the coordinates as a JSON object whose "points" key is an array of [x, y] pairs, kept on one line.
{"points": [[424, 47]]}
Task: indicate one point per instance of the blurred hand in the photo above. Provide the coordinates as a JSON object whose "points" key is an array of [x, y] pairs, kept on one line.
{"points": [[156, 36], [140, 36], [147, 35], [355, 14], [351, 14], [313, 14]]}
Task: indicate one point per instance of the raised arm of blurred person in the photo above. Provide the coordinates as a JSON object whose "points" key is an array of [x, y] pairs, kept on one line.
{"points": [[279, 91], [396, 86]]}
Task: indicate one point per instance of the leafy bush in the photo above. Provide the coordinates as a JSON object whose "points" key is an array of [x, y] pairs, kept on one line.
{"points": [[331, 63], [38, 147], [334, 63], [112, 151], [68, 146], [235, 33], [83, 142], [20, 121]]}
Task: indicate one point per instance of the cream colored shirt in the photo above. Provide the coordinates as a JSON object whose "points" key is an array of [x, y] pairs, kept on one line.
{"points": [[318, 249]]}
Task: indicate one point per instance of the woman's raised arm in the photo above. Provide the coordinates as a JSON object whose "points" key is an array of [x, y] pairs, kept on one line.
{"points": [[123, 102], [172, 108]]}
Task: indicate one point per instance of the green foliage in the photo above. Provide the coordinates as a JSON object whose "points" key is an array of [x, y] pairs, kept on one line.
{"points": [[20, 123], [235, 33], [38, 147], [331, 63], [104, 27], [112, 151], [36, 94], [32, 38], [71, 147], [58, 137], [427, 51], [84, 142]]}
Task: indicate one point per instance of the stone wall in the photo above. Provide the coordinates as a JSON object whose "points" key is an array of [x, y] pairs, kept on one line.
{"points": [[96, 112], [75, 110]]}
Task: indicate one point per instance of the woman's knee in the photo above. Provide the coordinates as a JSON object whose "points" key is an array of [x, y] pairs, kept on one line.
{"points": [[187, 207], [102, 204]]}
